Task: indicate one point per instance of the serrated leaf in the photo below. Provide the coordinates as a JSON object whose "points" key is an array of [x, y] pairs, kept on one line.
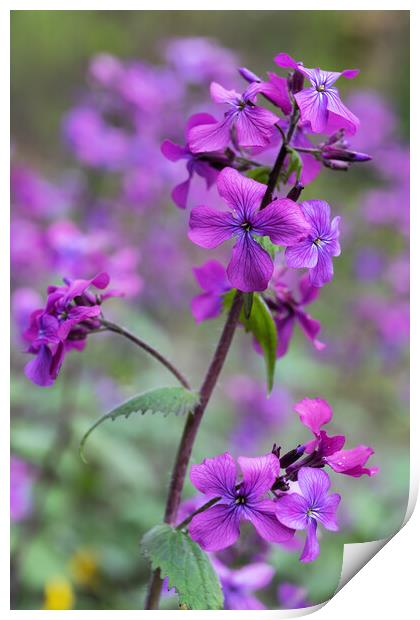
{"points": [[166, 400], [260, 174], [186, 565], [261, 324]]}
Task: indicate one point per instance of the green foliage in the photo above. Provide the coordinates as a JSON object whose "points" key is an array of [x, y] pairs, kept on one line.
{"points": [[187, 567], [294, 166], [261, 324], [267, 245], [166, 400], [260, 174], [248, 302]]}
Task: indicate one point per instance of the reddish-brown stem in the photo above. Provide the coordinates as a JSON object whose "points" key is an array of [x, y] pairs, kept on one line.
{"points": [[190, 430]]}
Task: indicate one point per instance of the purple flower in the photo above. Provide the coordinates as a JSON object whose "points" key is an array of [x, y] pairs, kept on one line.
{"points": [[318, 248], [218, 527], [275, 90], [252, 125], [213, 280], [351, 462], [195, 164], [314, 413], [313, 505], [70, 313], [320, 104], [250, 267], [292, 596], [239, 584], [21, 483], [288, 309]]}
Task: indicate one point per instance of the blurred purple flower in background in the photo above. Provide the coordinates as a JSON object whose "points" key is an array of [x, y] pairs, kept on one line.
{"points": [[22, 477], [292, 596], [213, 280], [239, 584]]}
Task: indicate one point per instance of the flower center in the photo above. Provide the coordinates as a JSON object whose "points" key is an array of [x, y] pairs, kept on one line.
{"points": [[240, 500], [246, 226], [317, 241], [321, 88]]}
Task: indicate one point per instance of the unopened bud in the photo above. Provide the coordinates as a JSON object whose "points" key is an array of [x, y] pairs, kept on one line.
{"points": [[248, 75], [295, 81]]}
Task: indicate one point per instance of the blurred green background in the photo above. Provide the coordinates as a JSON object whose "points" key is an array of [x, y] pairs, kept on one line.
{"points": [[104, 508]]}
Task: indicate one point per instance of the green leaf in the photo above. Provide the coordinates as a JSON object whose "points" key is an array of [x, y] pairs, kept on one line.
{"points": [[260, 174], [261, 324], [267, 245], [186, 565], [248, 301], [166, 400], [295, 165]]}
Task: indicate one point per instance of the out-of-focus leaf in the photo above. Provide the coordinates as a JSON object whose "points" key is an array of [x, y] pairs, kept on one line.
{"points": [[260, 174], [167, 400], [295, 166], [267, 245], [248, 301], [187, 567]]}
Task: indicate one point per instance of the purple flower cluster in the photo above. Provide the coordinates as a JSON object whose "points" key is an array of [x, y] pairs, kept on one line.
{"points": [[72, 311]]}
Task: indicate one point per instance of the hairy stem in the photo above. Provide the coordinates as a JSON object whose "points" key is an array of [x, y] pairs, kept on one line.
{"points": [[190, 430], [117, 329]]}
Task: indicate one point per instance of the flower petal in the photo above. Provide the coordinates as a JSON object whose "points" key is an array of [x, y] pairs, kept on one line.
{"points": [[284, 333], [283, 221], [314, 413], [253, 576], [206, 306], [215, 528], [339, 116], [202, 118], [243, 195], [259, 473], [303, 254], [180, 193], [211, 276], [310, 328], [323, 271], [351, 462], [38, 369], [219, 94], [326, 513], [314, 484], [209, 227], [250, 268], [215, 476], [172, 151], [317, 213], [284, 60], [263, 518], [313, 108], [311, 549], [210, 137], [291, 510], [254, 126]]}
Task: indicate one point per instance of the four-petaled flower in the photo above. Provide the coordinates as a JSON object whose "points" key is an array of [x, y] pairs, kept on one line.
{"points": [[320, 104], [250, 267], [219, 526], [313, 505], [213, 280], [321, 244], [246, 123], [195, 164]]}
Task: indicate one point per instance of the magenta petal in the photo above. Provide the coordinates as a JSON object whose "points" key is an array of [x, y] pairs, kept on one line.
{"points": [[311, 549], [310, 328], [222, 95], [211, 276], [254, 126], [202, 118], [339, 116], [250, 268], [317, 213], [323, 272], [291, 510], [326, 513], [242, 194], [344, 461], [172, 151], [211, 137], [259, 473], [314, 413], [283, 221], [180, 193], [308, 292], [38, 369], [209, 228], [284, 60], [253, 576], [215, 476], [303, 254], [206, 306], [284, 334], [277, 91], [313, 108], [263, 518], [215, 528], [350, 73], [314, 484]]}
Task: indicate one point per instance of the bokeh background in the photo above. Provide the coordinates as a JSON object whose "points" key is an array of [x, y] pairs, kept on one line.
{"points": [[75, 211]]}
